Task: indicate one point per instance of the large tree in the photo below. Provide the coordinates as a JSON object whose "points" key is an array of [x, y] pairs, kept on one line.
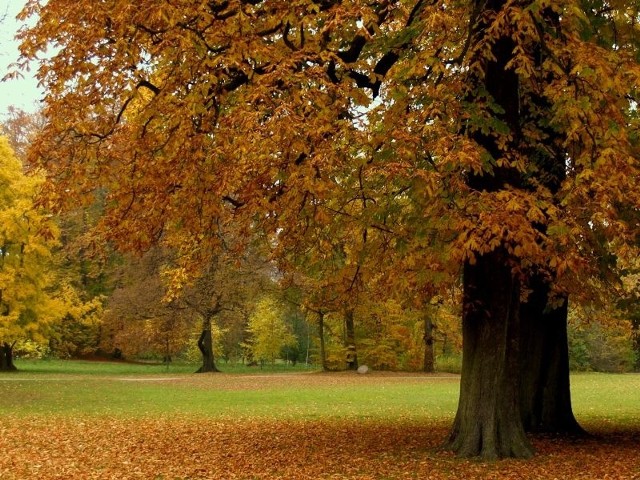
{"points": [[417, 124]]}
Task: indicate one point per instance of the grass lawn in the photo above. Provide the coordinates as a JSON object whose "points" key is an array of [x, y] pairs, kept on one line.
{"points": [[115, 420]]}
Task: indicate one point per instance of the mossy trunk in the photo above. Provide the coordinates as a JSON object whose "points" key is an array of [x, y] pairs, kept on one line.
{"points": [[6, 358], [545, 388], [488, 422]]}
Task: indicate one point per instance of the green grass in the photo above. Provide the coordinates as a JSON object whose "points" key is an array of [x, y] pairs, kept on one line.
{"points": [[71, 367], [118, 389], [607, 399], [101, 388]]}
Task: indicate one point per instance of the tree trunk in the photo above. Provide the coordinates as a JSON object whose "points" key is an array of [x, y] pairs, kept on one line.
{"points": [[635, 321], [429, 364], [488, 423], [6, 357], [350, 341], [545, 400], [205, 344], [323, 351]]}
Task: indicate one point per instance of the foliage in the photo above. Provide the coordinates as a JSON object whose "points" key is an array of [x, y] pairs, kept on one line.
{"points": [[449, 363], [137, 321], [180, 163], [147, 317], [19, 127], [74, 280], [29, 298], [28, 349], [628, 306], [269, 334], [78, 332], [601, 345], [384, 334]]}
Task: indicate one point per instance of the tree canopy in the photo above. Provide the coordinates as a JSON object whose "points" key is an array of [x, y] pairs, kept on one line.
{"points": [[196, 116]]}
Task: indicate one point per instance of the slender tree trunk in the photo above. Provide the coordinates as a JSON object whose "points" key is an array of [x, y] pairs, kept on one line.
{"points": [[323, 352], [635, 321], [350, 340], [205, 344], [429, 364], [488, 422], [545, 389], [6, 357]]}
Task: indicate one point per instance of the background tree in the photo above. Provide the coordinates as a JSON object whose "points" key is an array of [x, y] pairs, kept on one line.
{"points": [[269, 332], [601, 340], [138, 322], [147, 315], [20, 127], [80, 262], [31, 299]]}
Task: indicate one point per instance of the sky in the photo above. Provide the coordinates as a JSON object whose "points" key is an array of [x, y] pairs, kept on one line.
{"points": [[23, 93]]}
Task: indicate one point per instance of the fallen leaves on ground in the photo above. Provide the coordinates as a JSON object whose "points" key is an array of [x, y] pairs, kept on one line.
{"points": [[200, 448]]}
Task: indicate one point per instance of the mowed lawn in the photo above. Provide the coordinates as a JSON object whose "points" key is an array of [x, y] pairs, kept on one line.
{"points": [[77, 420]]}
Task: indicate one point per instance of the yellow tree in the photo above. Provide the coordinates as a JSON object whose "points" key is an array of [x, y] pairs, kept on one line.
{"points": [[505, 130], [28, 305], [269, 331]]}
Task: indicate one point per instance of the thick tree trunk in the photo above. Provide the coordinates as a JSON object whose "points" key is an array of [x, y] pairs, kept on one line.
{"points": [[350, 341], [545, 389], [323, 351], [429, 364], [488, 423], [6, 358], [205, 344]]}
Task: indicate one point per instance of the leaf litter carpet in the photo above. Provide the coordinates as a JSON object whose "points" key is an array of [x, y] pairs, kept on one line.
{"points": [[192, 448]]}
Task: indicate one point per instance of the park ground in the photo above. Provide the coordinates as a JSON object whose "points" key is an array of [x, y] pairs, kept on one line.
{"points": [[81, 420]]}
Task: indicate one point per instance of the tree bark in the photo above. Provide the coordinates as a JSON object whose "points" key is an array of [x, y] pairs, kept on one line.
{"points": [[205, 344], [323, 351], [350, 341], [6, 358], [545, 400], [488, 422], [429, 364]]}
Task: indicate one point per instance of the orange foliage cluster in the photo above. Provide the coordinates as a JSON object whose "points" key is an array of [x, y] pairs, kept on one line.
{"points": [[171, 448]]}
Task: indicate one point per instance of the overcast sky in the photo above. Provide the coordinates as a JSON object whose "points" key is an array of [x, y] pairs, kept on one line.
{"points": [[23, 93]]}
